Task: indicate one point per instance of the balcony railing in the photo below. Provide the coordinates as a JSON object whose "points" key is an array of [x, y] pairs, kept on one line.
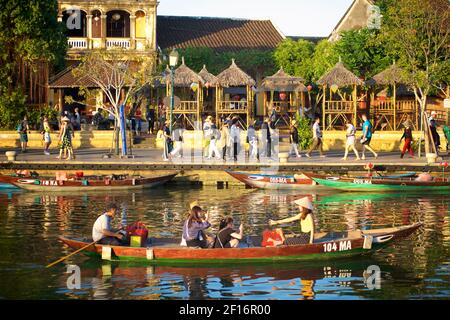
{"points": [[77, 43], [118, 43]]}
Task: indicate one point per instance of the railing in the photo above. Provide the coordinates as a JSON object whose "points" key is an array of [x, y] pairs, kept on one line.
{"points": [[283, 106], [118, 43], [186, 106], [77, 43], [339, 107], [233, 106]]}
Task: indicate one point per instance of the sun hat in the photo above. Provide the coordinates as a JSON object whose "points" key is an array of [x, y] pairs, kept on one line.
{"points": [[305, 203], [194, 204]]}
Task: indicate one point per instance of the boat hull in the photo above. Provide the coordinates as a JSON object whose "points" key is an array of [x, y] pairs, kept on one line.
{"points": [[274, 182], [175, 255], [51, 185], [379, 185]]}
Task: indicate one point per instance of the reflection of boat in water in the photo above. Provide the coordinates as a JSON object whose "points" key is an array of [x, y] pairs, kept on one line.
{"points": [[88, 183], [7, 186], [326, 246]]}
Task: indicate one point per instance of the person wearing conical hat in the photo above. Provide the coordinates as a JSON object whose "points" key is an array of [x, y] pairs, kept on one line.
{"points": [[306, 219]]}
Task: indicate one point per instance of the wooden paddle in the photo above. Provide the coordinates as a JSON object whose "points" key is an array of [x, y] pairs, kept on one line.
{"points": [[70, 255]]}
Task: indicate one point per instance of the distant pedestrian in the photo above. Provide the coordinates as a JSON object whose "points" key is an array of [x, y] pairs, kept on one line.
{"points": [[213, 151], [446, 130], [23, 129], [207, 134], [138, 117], [46, 136], [167, 147], [225, 140], [150, 115], [351, 139], [433, 128], [235, 134], [317, 139], [367, 137], [407, 135], [76, 119], [294, 139], [177, 138], [266, 139], [66, 134], [252, 140]]}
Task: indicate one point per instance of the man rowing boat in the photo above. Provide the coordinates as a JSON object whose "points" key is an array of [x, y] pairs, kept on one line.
{"points": [[306, 222], [102, 232]]}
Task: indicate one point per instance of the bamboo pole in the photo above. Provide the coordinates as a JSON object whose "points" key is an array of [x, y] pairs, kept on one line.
{"points": [[394, 99], [324, 88], [355, 105]]}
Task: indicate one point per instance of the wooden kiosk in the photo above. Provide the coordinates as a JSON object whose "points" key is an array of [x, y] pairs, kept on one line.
{"points": [[188, 91], [284, 94], [235, 95], [339, 97]]}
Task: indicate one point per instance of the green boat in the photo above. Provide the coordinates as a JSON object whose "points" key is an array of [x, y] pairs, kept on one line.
{"points": [[381, 185]]}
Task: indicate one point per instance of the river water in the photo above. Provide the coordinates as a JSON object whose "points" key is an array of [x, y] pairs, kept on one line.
{"points": [[415, 268]]}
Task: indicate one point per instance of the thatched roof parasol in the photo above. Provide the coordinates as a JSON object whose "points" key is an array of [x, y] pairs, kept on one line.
{"points": [[281, 81], [234, 77], [210, 79], [184, 76], [340, 76], [390, 76]]}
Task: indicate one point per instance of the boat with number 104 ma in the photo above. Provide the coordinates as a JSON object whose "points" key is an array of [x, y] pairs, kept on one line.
{"points": [[64, 182], [296, 181], [325, 246], [432, 184]]}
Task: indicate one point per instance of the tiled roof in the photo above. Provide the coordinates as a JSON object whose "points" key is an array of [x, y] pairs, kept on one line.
{"points": [[220, 34], [66, 79]]}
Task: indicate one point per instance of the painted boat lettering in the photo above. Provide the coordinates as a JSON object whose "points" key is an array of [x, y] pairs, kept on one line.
{"points": [[362, 181], [49, 183], [340, 246], [279, 180]]}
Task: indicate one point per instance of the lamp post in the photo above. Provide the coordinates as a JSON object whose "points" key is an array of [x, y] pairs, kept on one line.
{"points": [[173, 62]]}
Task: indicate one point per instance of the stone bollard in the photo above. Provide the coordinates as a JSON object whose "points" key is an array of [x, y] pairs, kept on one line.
{"points": [[283, 156], [11, 155]]}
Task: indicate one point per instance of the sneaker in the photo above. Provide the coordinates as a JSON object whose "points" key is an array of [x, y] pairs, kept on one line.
{"points": [[376, 155], [363, 158], [345, 159], [299, 156], [323, 156], [307, 155]]}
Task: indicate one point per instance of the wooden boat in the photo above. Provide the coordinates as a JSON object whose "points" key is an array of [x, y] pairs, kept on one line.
{"points": [[274, 182], [88, 183], [326, 246], [383, 185], [277, 182]]}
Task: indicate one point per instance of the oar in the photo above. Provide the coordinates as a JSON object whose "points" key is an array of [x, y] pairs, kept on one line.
{"points": [[72, 254]]}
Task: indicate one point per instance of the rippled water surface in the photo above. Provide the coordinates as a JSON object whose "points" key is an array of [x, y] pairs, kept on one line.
{"points": [[30, 224]]}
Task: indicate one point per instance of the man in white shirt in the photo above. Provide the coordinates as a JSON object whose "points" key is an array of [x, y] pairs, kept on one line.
{"points": [[317, 139], [102, 232]]}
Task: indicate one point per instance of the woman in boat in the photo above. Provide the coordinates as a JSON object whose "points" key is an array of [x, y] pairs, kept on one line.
{"points": [[227, 237], [306, 222], [194, 226]]}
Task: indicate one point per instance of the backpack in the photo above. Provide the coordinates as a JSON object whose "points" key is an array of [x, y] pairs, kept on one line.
{"points": [[20, 127]]}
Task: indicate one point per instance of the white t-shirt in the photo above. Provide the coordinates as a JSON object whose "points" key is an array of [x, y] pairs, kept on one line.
{"points": [[316, 131], [351, 135], [102, 223]]}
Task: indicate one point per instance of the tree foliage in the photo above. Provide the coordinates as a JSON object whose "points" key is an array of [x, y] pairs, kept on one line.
{"points": [[324, 59], [295, 57]]}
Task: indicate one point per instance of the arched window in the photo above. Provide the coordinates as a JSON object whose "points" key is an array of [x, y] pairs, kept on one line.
{"points": [[96, 24], [118, 24], [75, 21], [140, 25]]}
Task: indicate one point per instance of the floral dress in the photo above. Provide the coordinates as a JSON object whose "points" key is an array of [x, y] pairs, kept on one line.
{"points": [[66, 138]]}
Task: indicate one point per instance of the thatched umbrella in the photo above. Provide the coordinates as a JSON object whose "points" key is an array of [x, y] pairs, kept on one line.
{"points": [[281, 81], [235, 77], [340, 76], [210, 79], [184, 76]]}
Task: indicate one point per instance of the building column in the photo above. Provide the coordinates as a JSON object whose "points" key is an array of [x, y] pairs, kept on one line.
{"points": [[89, 30], [133, 32], [104, 32]]}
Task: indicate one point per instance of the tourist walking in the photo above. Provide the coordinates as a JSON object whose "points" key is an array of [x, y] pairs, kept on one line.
{"points": [[351, 140], [367, 137], [407, 135], [46, 136], [252, 140], [266, 139], [177, 138], [317, 139], [235, 135], [433, 128], [213, 151], [150, 116], [207, 134], [294, 139], [167, 141], [225, 140], [76, 120], [23, 129], [66, 134], [138, 117]]}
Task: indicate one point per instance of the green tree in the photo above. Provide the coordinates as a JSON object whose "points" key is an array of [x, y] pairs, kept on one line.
{"points": [[31, 40], [196, 58], [295, 57], [324, 59]]}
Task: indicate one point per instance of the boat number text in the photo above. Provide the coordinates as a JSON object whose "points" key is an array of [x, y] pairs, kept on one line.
{"points": [[362, 181], [49, 183], [278, 180], [341, 246]]}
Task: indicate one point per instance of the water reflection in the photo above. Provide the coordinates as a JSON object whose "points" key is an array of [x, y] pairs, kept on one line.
{"points": [[31, 222]]}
